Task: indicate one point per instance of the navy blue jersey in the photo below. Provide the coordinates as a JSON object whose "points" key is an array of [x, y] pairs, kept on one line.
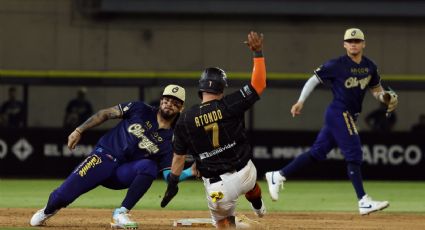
{"points": [[349, 81], [137, 136]]}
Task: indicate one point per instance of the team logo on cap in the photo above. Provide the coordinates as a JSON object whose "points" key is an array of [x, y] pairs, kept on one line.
{"points": [[353, 33], [175, 89]]}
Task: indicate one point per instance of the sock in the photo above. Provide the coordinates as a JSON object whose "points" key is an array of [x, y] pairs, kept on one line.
{"points": [[137, 189], [254, 196], [355, 175], [300, 162]]}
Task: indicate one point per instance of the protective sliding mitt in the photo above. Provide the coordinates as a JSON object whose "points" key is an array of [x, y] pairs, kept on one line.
{"points": [[172, 189]]}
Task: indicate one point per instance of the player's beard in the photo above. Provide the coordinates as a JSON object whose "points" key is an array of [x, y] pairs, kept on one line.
{"points": [[167, 116]]}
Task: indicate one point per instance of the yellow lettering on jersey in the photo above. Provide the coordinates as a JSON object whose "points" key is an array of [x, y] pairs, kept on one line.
{"points": [[210, 117], [352, 82], [214, 115], [219, 114], [89, 163], [148, 124], [144, 143], [356, 71], [364, 82], [136, 129], [207, 118]]}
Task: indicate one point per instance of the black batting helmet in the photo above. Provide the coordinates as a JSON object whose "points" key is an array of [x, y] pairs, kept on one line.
{"points": [[213, 80]]}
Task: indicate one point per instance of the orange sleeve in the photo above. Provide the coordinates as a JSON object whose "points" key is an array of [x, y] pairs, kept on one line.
{"points": [[258, 78]]}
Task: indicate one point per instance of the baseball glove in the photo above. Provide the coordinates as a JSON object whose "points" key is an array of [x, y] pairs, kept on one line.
{"points": [[391, 100]]}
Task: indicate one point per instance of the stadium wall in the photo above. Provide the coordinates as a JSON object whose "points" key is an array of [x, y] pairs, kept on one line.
{"points": [[52, 34]]}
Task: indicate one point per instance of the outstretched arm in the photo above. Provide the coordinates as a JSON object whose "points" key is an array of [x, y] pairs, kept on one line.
{"points": [[95, 120], [258, 78], [309, 86]]}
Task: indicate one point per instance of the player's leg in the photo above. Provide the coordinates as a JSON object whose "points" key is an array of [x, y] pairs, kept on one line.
{"points": [[247, 176], [255, 198], [321, 147], [348, 140], [137, 176], [86, 176], [223, 192], [221, 203]]}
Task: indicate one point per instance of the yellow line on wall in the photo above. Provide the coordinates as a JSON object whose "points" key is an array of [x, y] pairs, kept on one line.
{"points": [[173, 74]]}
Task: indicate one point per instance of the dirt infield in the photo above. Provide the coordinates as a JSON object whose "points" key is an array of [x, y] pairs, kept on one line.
{"points": [[80, 219]]}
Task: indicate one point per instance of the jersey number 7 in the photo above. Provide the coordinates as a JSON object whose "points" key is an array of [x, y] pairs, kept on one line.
{"points": [[213, 127]]}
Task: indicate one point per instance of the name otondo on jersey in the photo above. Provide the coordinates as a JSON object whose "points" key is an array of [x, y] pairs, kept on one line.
{"points": [[144, 143], [207, 118]]}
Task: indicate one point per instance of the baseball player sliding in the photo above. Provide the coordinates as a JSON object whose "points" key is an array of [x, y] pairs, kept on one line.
{"points": [[350, 76], [213, 132]]}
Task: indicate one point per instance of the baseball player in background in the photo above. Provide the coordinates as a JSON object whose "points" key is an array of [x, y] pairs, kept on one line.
{"points": [[128, 156], [213, 132], [349, 76]]}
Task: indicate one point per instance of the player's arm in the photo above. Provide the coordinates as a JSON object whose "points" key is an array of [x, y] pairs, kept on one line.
{"points": [[96, 119], [176, 169], [388, 97], [309, 86], [258, 78], [178, 164]]}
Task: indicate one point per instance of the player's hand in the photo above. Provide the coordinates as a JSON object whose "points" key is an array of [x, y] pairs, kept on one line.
{"points": [[391, 100], [255, 41], [296, 108], [172, 190], [73, 139]]}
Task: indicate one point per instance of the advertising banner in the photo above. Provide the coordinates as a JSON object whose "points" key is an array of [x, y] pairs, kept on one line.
{"points": [[390, 156]]}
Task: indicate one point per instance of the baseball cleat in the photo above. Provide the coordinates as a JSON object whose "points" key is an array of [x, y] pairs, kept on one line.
{"points": [[367, 205], [39, 218], [259, 212], [121, 219], [275, 182]]}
